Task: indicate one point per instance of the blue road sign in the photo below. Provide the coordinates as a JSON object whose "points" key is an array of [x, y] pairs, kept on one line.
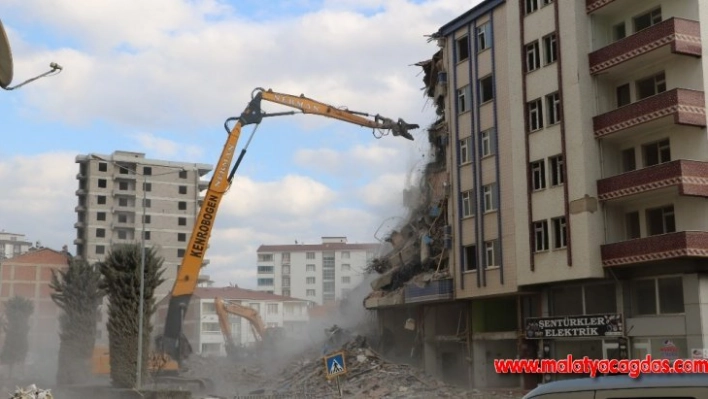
{"points": [[334, 365]]}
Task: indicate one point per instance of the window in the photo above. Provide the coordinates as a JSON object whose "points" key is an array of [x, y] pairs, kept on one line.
{"points": [[346, 267], [486, 89], [122, 218], [310, 268], [146, 234], [492, 253], [265, 269], [310, 255], [100, 233], [265, 282], [467, 204], [531, 6], [556, 170], [286, 269], [623, 97], [147, 219], [208, 308], [181, 221], [265, 257], [470, 258], [484, 36], [181, 237], [328, 274], [182, 205], [101, 200], [553, 107], [183, 189], [346, 255], [272, 308], [662, 295], [463, 48], [661, 220], [656, 153], [533, 56], [466, 150], [631, 223], [122, 202], [550, 49], [310, 293], [182, 174], [147, 170], [650, 86], [538, 175], [463, 99], [629, 162], [490, 197], [147, 203], [122, 234], [540, 236], [101, 216], [100, 249], [102, 183], [560, 232], [346, 279], [488, 145], [123, 186], [180, 253], [619, 31], [102, 167], [647, 19], [123, 170], [286, 281], [310, 280], [535, 114]]}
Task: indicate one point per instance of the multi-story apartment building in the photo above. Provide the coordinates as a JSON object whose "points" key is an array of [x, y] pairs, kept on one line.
{"points": [[321, 273], [124, 194], [574, 139], [201, 324], [12, 244]]}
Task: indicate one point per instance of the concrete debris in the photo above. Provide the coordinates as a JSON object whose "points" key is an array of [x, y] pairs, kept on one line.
{"points": [[32, 392]]}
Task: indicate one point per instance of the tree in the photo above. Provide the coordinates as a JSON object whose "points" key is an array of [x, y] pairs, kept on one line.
{"points": [[121, 281], [17, 314], [78, 293]]}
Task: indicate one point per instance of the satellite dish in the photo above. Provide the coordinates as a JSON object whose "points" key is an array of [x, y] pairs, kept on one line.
{"points": [[5, 59]]}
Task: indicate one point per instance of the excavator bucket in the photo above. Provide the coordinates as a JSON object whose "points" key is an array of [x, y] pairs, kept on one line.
{"points": [[401, 129]]}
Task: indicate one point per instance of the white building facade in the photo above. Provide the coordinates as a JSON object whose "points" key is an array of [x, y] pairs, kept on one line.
{"points": [[12, 244], [322, 273]]}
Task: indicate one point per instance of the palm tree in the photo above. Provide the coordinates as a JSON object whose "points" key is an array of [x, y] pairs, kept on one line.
{"points": [[77, 292], [121, 281], [17, 313]]}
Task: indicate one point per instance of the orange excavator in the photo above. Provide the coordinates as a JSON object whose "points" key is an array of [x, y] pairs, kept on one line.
{"points": [[266, 336], [173, 342]]}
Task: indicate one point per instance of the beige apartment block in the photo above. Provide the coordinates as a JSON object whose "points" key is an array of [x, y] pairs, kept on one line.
{"points": [[124, 194], [575, 145]]}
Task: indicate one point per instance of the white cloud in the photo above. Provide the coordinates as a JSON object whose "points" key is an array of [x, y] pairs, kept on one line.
{"points": [[163, 148], [38, 198]]}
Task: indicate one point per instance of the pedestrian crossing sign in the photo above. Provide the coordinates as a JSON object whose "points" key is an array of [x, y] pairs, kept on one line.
{"points": [[334, 365]]}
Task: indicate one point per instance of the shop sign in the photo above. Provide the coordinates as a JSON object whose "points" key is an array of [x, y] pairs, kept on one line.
{"points": [[669, 350], [585, 326]]}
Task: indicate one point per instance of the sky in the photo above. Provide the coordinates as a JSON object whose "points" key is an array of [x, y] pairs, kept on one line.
{"points": [[161, 77]]}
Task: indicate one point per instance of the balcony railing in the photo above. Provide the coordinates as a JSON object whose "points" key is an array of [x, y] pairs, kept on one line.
{"points": [[691, 177], [686, 106], [685, 244], [433, 291], [683, 35]]}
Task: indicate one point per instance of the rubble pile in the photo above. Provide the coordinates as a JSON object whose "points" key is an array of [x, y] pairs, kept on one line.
{"points": [[31, 392]]}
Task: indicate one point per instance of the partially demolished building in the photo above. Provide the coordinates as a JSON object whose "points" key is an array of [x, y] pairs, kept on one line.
{"points": [[563, 207]]}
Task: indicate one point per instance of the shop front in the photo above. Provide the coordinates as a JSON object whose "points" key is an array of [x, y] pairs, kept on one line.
{"points": [[599, 336]]}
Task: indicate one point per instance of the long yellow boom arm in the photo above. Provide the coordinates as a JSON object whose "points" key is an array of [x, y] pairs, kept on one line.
{"points": [[193, 260]]}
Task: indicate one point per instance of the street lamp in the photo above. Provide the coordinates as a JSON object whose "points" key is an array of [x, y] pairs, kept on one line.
{"points": [[141, 302]]}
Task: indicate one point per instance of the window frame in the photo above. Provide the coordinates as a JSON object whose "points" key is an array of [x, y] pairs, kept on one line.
{"points": [[482, 84], [553, 108], [484, 36], [557, 170], [532, 51], [540, 230], [560, 232], [462, 47], [466, 151], [467, 202], [534, 109], [550, 48], [538, 175]]}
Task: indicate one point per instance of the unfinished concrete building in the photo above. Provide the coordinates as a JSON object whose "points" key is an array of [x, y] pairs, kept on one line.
{"points": [[573, 141]]}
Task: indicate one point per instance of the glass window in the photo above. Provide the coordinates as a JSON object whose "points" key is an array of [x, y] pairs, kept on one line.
{"points": [[600, 298], [644, 297], [671, 295], [533, 56], [463, 48], [486, 89], [484, 36], [465, 150], [550, 49], [567, 300], [470, 258]]}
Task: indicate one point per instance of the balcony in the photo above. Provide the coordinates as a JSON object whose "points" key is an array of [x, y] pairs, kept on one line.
{"points": [[81, 191], [78, 241], [685, 244], [685, 106], [691, 178], [594, 5], [673, 36], [79, 208], [437, 290], [79, 225]]}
